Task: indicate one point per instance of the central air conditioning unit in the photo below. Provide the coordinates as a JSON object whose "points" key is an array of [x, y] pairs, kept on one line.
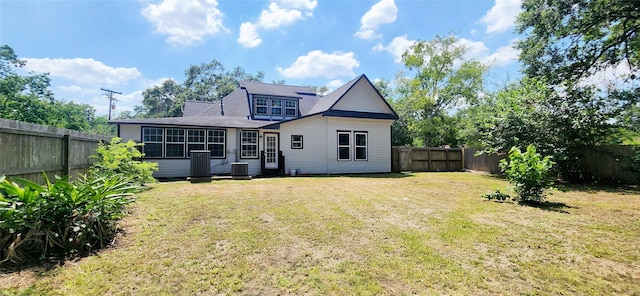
{"points": [[200, 165], [239, 169]]}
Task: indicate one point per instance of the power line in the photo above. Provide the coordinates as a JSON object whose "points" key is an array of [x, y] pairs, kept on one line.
{"points": [[112, 100]]}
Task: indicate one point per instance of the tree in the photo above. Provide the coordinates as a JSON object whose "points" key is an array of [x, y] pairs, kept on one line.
{"points": [[22, 98], [400, 134], [165, 100], [204, 82], [442, 79], [210, 81], [572, 45]]}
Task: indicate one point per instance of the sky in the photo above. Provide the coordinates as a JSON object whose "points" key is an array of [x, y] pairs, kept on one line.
{"points": [[131, 45]]}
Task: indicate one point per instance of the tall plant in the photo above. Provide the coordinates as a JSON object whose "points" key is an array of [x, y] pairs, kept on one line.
{"points": [[119, 157], [529, 173]]}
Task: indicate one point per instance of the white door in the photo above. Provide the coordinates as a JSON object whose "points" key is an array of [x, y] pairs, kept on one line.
{"points": [[271, 151]]}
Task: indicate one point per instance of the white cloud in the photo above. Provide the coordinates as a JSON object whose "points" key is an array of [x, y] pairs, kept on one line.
{"points": [[279, 14], [299, 4], [381, 13], [83, 71], [186, 22], [475, 50], [396, 47], [248, 36], [320, 64], [501, 16], [333, 84], [504, 55]]}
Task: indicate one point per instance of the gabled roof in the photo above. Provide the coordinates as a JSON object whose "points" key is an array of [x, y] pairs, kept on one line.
{"points": [[237, 110]]}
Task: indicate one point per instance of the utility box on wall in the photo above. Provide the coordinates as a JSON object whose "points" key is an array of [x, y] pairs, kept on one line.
{"points": [[200, 166]]}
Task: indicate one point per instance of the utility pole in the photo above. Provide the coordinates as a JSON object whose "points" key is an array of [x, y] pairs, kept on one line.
{"points": [[110, 93]]}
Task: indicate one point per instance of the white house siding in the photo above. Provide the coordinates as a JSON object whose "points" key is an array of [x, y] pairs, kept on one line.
{"points": [[130, 132], [378, 145], [362, 97], [310, 159], [319, 154]]}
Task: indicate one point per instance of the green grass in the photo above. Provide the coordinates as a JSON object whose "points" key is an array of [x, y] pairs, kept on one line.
{"points": [[425, 233]]}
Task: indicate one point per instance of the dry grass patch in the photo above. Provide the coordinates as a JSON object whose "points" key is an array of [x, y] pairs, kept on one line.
{"points": [[427, 233]]}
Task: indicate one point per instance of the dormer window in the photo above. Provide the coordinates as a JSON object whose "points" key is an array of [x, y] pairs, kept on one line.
{"points": [[277, 107], [261, 106]]}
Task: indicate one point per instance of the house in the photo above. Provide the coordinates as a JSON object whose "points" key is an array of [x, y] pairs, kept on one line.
{"points": [[275, 129]]}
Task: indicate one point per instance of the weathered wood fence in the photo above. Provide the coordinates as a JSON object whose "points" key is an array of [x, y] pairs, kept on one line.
{"points": [[27, 150], [426, 159], [483, 162], [607, 164]]}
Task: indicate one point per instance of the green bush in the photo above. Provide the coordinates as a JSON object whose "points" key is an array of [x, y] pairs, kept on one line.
{"points": [[496, 195], [529, 173], [60, 219], [119, 157]]}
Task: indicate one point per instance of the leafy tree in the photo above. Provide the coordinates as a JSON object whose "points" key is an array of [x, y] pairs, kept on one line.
{"points": [[23, 98], [100, 125], [210, 81], [400, 134], [165, 100], [571, 40], [204, 82], [442, 79], [570, 44]]}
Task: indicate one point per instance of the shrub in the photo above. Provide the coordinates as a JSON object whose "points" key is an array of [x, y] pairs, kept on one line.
{"points": [[497, 196], [59, 219], [529, 173], [119, 157]]}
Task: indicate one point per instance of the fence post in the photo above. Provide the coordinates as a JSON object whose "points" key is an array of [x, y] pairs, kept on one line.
{"points": [[66, 155]]}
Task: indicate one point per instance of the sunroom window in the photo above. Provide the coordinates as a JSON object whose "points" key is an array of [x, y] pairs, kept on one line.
{"points": [[174, 146], [152, 139]]}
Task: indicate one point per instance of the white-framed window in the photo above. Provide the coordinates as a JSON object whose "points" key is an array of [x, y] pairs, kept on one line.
{"points": [[195, 140], [261, 106], [276, 107], [290, 108], [249, 144], [152, 138], [344, 145], [216, 143], [174, 144], [296, 141], [360, 143]]}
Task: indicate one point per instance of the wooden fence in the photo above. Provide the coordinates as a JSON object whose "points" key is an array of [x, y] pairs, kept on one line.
{"points": [[27, 150], [483, 162], [426, 159]]}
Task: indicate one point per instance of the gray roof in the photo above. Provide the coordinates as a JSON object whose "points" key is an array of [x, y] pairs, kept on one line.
{"points": [[237, 111], [197, 121]]}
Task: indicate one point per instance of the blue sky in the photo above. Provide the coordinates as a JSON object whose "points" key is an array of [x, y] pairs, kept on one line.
{"points": [[129, 45]]}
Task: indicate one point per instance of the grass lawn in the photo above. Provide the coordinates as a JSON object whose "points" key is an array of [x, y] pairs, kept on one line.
{"points": [[425, 233]]}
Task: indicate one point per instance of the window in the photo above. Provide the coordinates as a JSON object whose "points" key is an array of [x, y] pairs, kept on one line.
{"points": [[249, 144], [216, 143], [360, 146], [195, 140], [296, 142], [152, 139], [276, 107], [174, 146], [261, 106], [344, 146], [290, 107]]}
